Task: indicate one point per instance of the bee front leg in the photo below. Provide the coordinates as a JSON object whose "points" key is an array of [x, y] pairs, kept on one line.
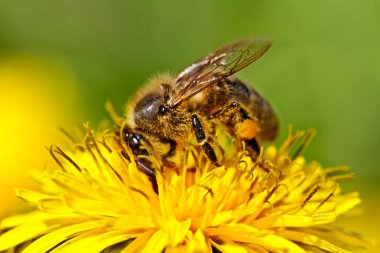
{"points": [[142, 165], [170, 153], [133, 142], [202, 140]]}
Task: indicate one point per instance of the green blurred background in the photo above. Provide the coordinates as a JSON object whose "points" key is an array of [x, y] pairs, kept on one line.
{"points": [[322, 71]]}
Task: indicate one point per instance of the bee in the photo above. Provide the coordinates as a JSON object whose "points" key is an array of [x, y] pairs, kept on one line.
{"points": [[168, 110]]}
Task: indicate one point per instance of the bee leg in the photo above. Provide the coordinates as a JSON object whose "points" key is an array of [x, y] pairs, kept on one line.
{"points": [[201, 139], [239, 121], [170, 153], [134, 143], [247, 129], [253, 147], [150, 172], [142, 166]]}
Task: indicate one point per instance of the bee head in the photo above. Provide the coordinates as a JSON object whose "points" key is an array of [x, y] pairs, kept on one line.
{"points": [[152, 106]]}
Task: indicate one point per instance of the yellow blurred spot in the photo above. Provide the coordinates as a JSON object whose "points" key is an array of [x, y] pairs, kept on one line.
{"points": [[364, 220], [35, 98]]}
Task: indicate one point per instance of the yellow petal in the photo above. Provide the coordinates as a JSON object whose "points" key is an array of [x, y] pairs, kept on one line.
{"points": [[231, 248], [48, 203], [94, 207], [95, 243], [255, 248], [50, 240], [32, 196], [133, 221], [197, 242], [337, 236], [157, 242], [312, 240], [23, 233], [347, 202], [248, 234], [222, 217], [33, 217], [176, 231], [293, 220], [139, 243]]}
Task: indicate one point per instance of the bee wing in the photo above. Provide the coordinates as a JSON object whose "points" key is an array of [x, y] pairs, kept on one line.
{"points": [[218, 65]]}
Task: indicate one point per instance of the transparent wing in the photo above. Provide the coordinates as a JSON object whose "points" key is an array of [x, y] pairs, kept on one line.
{"points": [[218, 65]]}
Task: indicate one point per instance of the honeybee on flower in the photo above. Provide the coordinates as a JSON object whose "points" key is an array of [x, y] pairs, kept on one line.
{"points": [[99, 196]]}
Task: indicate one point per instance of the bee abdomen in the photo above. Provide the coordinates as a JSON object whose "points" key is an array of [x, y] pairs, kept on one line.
{"points": [[238, 91], [257, 106]]}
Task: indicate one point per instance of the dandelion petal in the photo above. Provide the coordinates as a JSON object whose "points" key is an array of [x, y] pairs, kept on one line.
{"points": [[58, 236], [23, 233]]}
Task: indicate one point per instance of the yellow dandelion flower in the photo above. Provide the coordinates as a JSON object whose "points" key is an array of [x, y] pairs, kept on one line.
{"points": [[96, 200]]}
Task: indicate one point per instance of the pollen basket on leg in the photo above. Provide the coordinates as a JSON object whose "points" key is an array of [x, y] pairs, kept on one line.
{"points": [[248, 129]]}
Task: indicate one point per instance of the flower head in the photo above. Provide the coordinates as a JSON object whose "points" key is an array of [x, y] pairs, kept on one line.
{"points": [[96, 200]]}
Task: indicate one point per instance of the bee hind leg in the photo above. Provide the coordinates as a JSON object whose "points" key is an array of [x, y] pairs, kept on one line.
{"points": [[237, 118], [253, 147], [202, 140]]}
